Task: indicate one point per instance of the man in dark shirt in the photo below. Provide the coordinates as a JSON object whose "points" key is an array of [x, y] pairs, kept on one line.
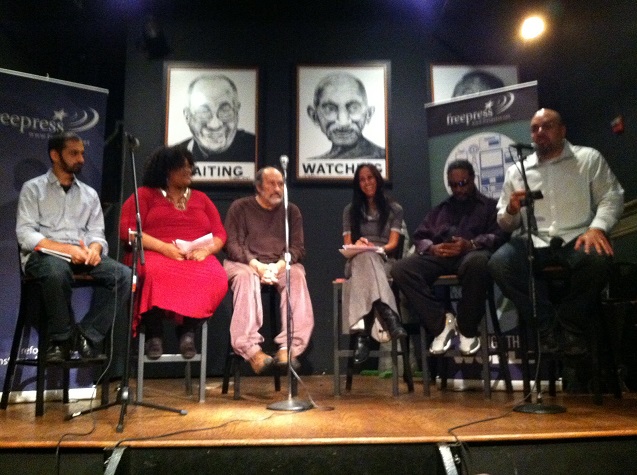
{"points": [[256, 256], [456, 237]]}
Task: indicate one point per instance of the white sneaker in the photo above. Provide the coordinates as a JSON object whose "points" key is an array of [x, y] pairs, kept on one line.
{"points": [[443, 341], [468, 345]]}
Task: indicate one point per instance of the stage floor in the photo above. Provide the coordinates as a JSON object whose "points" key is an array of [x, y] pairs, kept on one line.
{"points": [[366, 415]]}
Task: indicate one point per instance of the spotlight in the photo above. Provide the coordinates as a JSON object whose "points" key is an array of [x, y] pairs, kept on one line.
{"points": [[532, 27]]}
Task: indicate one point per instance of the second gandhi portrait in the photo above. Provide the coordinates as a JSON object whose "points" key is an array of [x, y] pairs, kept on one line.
{"points": [[341, 120]]}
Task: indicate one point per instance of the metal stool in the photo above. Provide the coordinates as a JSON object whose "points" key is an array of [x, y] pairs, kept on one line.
{"points": [[32, 304], [201, 358], [447, 282], [338, 353], [234, 361]]}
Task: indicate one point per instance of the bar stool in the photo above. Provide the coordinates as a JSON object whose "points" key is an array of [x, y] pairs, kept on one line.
{"points": [[32, 315], [201, 358], [558, 278], [446, 283], [338, 352], [234, 361]]}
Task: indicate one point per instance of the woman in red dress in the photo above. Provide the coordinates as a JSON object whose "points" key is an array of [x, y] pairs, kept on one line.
{"points": [[173, 283]]}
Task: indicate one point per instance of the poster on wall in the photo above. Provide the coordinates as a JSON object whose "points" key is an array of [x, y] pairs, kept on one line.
{"points": [[481, 128], [450, 81], [32, 109], [342, 120], [213, 110]]}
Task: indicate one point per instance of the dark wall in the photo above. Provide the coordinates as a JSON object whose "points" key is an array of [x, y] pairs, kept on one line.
{"points": [[276, 45], [585, 68], [277, 38]]}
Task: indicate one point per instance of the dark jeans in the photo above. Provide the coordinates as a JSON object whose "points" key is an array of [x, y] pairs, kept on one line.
{"points": [[509, 267], [416, 274], [109, 304]]}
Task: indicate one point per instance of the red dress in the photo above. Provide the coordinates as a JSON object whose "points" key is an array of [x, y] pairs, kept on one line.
{"points": [[188, 288]]}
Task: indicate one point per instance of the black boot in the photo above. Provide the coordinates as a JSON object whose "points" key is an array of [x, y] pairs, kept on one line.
{"points": [[390, 319], [361, 351]]}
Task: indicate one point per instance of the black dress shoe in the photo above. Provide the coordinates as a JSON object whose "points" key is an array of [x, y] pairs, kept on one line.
{"points": [[574, 344], [361, 352], [86, 348], [153, 347], [187, 345], [56, 352], [548, 342]]}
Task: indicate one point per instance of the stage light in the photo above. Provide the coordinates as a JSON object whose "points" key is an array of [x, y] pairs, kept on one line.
{"points": [[532, 28]]}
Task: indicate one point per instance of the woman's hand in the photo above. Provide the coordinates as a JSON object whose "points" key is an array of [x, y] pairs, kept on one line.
{"points": [[199, 254], [364, 242], [171, 251]]}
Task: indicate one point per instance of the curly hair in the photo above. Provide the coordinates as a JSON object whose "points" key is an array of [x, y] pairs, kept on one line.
{"points": [[162, 161], [360, 206]]}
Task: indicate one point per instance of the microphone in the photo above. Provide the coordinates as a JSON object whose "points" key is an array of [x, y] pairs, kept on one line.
{"points": [[133, 142], [523, 146], [284, 162], [555, 243]]}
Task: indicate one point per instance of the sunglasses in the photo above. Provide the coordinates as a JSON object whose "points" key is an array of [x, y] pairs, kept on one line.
{"points": [[458, 184]]}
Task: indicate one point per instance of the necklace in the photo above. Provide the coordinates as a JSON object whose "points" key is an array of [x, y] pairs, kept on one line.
{"points": [[180, 204]]}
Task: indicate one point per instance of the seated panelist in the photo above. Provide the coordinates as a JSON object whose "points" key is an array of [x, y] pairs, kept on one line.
{"points": [[256, 257], [456, 237], [57, 212], [184, 285], [374, 220]]}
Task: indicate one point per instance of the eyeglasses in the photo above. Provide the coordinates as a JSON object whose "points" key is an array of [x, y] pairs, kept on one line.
{"points": [[225, 113], [458, 184]]}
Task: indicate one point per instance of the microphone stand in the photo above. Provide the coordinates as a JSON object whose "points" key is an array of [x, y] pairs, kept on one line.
{"points": [[135, 240], [292, 403], [531, 228]]}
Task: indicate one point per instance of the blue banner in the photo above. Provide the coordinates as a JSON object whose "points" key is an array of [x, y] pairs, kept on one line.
{"points": [[32, 108]]}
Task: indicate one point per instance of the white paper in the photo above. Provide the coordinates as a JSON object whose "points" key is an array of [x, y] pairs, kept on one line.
{"points": [[189, 246], [61, 255]]}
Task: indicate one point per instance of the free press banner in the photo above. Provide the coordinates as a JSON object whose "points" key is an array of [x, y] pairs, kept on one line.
{"points": [[32, 108], [481, 128]]}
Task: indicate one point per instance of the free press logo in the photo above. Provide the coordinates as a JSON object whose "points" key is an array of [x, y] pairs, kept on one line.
{"points": [[59, 121], [493, 109]]}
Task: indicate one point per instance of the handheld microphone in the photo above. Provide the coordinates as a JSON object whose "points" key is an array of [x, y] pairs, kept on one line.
{"points": [[555, 243], [284, 162], [133, 142]]}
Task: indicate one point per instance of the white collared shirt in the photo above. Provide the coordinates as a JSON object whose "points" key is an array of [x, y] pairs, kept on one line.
{"points": [[580, 192]]}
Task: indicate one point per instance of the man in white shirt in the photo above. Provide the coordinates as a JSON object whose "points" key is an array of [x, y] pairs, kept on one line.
{"points": [[582, 200]]}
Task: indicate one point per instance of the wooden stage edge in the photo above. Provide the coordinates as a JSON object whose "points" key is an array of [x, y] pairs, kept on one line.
{"points": [[367, 415]]}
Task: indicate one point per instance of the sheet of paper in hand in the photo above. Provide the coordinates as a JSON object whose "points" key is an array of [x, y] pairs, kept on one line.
{"points": [[50, 252], [189, 246]]}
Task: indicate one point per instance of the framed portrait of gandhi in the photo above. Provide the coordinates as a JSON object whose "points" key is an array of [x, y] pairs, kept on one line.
{"points": [[214, 111], [342, 120]]}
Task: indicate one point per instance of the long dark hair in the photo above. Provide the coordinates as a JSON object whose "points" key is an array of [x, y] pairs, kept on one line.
{"points": [[359, 202]]}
